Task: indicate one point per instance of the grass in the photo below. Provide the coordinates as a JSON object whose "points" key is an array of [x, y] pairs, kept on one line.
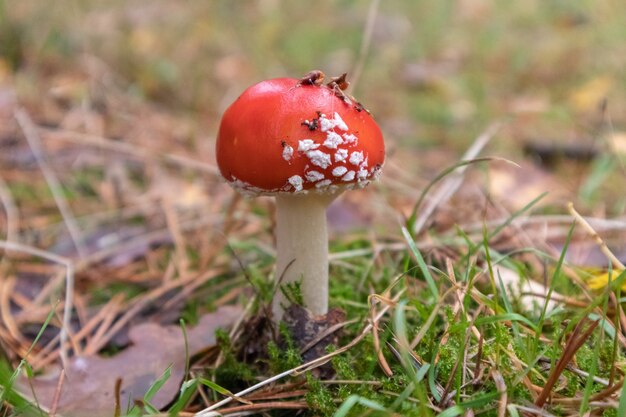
{"points": [[126, 99]]}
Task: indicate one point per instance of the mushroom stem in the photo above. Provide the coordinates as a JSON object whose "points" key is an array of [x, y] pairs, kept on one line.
{"points": [[302, 250]]}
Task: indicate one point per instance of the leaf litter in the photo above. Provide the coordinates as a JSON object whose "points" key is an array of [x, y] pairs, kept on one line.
{"points": [[89, 388]]}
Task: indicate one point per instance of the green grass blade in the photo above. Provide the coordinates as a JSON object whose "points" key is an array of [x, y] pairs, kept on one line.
{"points": [[495, 319], [7, 393], [158, 384], [422, 264], [187, 390], [452, 411], [515, 215], [512, 409], [215, 387], [557, 271], [354, 400], [584, 405]]}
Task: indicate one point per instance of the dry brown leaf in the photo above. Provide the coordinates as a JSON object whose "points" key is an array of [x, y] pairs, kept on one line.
{"points": [[587, 254], [89, 387], [515, 186]]}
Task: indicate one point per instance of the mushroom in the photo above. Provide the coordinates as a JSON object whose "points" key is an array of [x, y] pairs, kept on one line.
{"points": [[304, 143]]}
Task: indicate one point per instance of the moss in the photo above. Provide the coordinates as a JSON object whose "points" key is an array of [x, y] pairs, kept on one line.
{"points": [[232, 373], [293, 292], [519, 391], [344, 367], [572, 385], [395, 383], [284, 356], [585, 358], [319, 398], [449, 356]]}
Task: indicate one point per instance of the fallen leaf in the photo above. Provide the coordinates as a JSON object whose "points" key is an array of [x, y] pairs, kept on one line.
{"points": [[89, 387], [601, 280], [587, 254], [517, 186], [588, 96]]}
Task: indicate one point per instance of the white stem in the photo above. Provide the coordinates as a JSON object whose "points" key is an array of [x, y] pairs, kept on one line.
{"points": [[302, 250]]}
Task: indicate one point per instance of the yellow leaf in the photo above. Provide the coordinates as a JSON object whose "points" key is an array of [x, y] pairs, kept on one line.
{"points": [[601, 280], [5, 70], [588, 96], [144, 41]]}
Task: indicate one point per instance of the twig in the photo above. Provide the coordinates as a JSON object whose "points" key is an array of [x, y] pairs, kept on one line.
{"points": [[32, 137], [596, 397], [501, 387], [57, 394], [270, 405], [376, 340], [6, 288], [595, 236], [141, 303], [607, 252], [11, 214], [118, 395], [577, 339], [109, 313], [174, 227], [69, 288]]}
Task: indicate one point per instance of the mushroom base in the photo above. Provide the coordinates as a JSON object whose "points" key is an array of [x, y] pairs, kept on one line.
{"points": [[302, 250]]}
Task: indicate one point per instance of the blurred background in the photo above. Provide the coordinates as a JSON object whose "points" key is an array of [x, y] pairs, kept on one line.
{"points": [[109, 110], [434, 74], [435, 71]]}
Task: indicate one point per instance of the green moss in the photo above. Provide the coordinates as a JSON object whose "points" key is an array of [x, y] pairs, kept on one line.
{"points": [[609, 412], [585, 358], [344, 367], [284, 357], [293, 292], [572, 385], [232, 373], [448, 357], [319, 398]]}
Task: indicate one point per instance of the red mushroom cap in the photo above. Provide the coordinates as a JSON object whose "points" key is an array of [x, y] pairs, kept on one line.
{"points": [[285, 136]]}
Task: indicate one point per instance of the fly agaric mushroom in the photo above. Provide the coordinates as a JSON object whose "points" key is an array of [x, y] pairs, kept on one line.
{"points": [[304, 143]]}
